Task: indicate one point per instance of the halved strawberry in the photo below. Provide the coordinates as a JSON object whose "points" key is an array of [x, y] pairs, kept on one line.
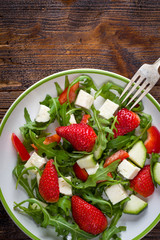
{"points": [[81, 136], [152, 143], [51, 139], [80, 173], [121, 154], [89, 218], [72, 94], [143, 183], [48, 184], [127, 122]]}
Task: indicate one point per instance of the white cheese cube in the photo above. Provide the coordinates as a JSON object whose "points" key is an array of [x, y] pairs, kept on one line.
{"points": [[43, 114], [92, 170], [72, 119], [64, 187], [127, 169], [84, 99], [108, 109], [116, 193], [35, 160]]}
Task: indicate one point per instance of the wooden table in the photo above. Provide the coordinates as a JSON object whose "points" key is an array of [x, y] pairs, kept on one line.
{"points": [[39, 38]]}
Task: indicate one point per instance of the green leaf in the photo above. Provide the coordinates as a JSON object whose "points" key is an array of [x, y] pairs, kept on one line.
{"points": [[23, 181], [58, 88], [112, 232], [46, 101], [27, 116], [62, 226], [66, 82]]}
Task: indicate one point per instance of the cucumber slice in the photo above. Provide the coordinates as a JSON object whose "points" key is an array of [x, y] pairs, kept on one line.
{"points": [[86, 162], [156, 172], [138, 154], [135, 205]]}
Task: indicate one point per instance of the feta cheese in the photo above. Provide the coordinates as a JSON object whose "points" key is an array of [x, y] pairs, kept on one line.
{"points": [[72, 119], [92, 170], [116, 193], [43, 114], [64, 187], [84, 99], [35, 160], [127, 169], [108, 109]]}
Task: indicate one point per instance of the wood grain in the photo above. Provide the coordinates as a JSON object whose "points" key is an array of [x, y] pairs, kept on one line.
{"points": [[39, 38]]}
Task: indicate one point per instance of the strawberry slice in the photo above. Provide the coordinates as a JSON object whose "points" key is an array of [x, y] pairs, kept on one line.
{"points": [[89, 218], [51, 139], [152, 143], [20, 148], [81, 136], [48, 184], [127, 122], [72, 94], [143, 183], [81, 173], [121, 154]]}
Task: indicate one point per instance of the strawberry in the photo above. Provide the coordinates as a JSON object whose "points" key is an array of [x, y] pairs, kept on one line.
{"points": [[72, 94], [48, 184], [80, 173], [81, 136], [89, 218], [143, 183], [127, 122], [121, 154], [152, 143]]}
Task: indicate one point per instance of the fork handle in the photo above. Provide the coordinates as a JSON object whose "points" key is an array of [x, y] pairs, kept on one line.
{"points": [[157, 63]]}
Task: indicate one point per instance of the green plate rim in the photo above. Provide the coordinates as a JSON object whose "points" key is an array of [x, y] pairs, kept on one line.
{"points": [[34, 86]]}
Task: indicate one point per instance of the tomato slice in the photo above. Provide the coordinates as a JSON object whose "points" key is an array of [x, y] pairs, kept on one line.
{"points": [[152, 143], [20, 148], [72, 94], [121, 154], [51, 139]]}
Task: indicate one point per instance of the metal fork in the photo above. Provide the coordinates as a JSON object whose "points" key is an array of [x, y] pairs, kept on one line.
{"points": [[145, 78]]}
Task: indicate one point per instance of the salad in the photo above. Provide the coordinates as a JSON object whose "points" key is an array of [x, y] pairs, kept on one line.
{"points": [[99, 163]]}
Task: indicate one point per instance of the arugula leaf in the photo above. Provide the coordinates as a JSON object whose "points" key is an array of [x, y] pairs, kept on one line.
{"points": [[66, 82], [112, 232], [120, 142], [58, 88], [46, 101], [64, 117], [62, 226], [23, 181]]}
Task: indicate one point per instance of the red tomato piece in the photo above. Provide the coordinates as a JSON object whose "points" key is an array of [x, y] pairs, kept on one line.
{"points": [[51, 139], [121, 154], [72, 94], [20, 148], [152, 143], [85, 118]]}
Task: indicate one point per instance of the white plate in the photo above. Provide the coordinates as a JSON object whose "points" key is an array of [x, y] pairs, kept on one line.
{"points": [[137, 226]]}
